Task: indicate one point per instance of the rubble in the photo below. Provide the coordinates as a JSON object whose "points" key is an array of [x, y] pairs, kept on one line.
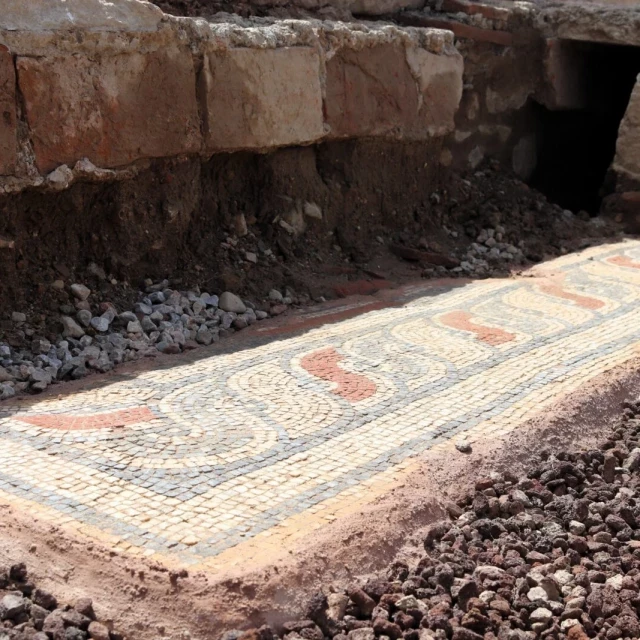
{"points": [[491, 224], [27, 612], [553, 554], [94, 336]]}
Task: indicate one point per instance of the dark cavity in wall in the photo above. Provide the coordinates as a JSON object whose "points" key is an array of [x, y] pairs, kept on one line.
{"points": [[576, 146]]}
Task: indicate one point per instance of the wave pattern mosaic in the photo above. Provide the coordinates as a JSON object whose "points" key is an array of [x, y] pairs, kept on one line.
{"points": [[237, 450]]}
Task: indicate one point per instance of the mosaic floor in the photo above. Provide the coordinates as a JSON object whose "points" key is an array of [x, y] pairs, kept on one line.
{"points": [[213, 460]]}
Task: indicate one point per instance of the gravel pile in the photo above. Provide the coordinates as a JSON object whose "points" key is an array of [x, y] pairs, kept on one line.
{"points": [[96, 336], [30, 613], [493, 222], [491, 251], [552, 555], [492, 200]]}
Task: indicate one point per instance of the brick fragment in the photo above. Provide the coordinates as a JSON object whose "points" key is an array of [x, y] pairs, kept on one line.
{"points": [[494, 36]]}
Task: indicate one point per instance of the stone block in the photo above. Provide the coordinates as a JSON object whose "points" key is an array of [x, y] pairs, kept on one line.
{"points": [[45, 15], [439, 81], [393, 91], [262, 98], [8, 123], [590, 22], [111, 109], [566, 74], [627, 158]]}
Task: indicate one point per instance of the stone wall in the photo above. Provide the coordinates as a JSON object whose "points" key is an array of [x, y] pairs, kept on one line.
{"points": [[114, 85], [627, 159]]}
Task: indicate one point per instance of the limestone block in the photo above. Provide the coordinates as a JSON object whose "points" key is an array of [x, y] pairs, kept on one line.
{"points": [[45, 15], [565, 76], [262, 98], [627, 158], [439, 79], [590, 22], [8, 124], [392, 90], [111, 109]]}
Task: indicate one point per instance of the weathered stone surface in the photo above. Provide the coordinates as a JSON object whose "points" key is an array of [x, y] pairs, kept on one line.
{"points": [[261, 98], [392, 91], [565, 76], [44, 15], [369, 92], [8, 125], [439, 80], [112, 109], [627, 158], [590, 22]]}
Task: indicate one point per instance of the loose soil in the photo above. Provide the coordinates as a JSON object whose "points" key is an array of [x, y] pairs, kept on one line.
{"points": [[185, 221]]}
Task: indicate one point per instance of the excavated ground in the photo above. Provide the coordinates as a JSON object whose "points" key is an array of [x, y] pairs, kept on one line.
{"points": [[199, 246], [64, 323]]}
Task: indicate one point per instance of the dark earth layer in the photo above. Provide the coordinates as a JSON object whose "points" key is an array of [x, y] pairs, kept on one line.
{"points": [[179, 220]]}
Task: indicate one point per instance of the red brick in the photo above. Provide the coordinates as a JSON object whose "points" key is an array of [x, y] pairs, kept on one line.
{"points": [[8, 121], [113, 109]]}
